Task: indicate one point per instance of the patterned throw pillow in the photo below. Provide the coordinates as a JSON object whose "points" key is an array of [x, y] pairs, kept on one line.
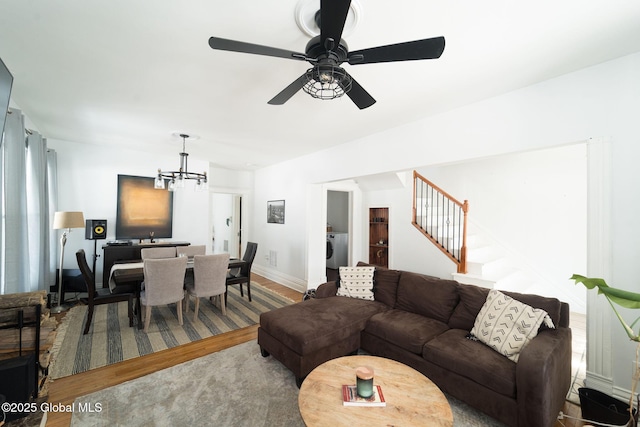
{"points": [[507, 325], [356, 282]]}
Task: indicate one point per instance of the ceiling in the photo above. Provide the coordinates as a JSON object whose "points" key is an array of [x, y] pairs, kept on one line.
{"points": [[136, 73]]}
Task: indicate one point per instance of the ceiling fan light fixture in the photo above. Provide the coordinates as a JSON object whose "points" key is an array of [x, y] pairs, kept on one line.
{"points": [[327, 81]]}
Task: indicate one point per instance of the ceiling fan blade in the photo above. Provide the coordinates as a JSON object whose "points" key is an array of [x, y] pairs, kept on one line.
{"points": [[333, 15], [289, 91], [408, 51], [236, 46], [359, 96]]}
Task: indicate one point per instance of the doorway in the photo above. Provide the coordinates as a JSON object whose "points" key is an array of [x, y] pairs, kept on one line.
{"points": [[226, 220], [338, 220]]}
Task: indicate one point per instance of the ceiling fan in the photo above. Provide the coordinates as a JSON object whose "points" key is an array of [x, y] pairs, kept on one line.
{"points": [[326, 52]]}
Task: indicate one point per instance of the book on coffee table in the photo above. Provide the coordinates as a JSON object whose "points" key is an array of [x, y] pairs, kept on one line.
{"points": [[350, 397]]}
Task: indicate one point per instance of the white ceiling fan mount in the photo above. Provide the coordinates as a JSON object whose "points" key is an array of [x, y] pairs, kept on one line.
{"points": [[305, 14]]}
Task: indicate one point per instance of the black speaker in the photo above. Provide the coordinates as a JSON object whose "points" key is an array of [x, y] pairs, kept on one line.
{"points": [[17, 382], [95, 229]]}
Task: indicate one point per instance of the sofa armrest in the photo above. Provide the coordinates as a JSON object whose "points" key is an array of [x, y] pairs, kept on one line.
{"points": [[325, 290], [543, 377]]}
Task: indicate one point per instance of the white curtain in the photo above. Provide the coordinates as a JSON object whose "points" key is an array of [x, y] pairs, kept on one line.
{"points": [[54, 242], [37, 210], [25, 229]]}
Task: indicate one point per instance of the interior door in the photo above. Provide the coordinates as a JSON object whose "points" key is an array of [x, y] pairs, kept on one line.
{"points": [[235, 243]]}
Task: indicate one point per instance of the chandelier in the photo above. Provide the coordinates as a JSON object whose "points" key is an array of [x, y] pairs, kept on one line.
{"points": [[177, 178], [327, 81]]}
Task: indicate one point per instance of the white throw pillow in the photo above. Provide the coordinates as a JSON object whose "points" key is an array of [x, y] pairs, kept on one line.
{"points": [[507, 325], [356, 282]]}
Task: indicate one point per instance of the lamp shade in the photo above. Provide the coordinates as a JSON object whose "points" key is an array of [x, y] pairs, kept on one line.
{"points": [[68, 220]]}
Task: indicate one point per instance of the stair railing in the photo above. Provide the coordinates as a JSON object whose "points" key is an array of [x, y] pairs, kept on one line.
{"points": [[441, 218]]}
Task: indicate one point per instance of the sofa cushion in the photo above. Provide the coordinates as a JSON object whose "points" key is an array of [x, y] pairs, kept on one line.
{"points": [[356, 282], [385, 284], [406, 330], [453, 352], [426, 295], [472, 298], [328, 289], [507, 325], [313, 324]]}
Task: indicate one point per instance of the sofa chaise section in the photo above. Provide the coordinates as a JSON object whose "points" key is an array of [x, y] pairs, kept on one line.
{"points": [[304, 335]]}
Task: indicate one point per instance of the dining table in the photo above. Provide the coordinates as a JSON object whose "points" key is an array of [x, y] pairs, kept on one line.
{"points": [[131, 273]]}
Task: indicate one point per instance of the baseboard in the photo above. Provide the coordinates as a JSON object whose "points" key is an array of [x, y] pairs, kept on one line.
{"points": [[623, 394], [283, 279], [600, 383], [605, 385]]}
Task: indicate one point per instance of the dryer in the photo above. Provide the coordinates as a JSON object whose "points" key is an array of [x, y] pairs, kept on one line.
{"points": [[337, 250]]}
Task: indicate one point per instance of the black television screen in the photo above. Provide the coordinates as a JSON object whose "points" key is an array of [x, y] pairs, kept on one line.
{"points": [[144, 212], [6, 82]]}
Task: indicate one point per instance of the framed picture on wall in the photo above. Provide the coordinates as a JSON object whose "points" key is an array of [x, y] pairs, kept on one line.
{"points": [[143, 212], [275, 211]]}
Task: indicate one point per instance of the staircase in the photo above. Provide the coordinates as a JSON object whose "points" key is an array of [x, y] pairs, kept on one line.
{"points": [[441, 218], [492, 266]]}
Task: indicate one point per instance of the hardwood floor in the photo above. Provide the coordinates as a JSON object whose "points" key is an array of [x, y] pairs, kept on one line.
{"points": [[65, 390]]}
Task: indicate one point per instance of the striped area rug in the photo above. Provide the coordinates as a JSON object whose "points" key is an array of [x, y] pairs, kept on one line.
{"points": [[111, 340]]}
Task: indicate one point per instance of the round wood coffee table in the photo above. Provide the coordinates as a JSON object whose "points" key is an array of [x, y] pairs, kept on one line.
{"points": [[412, 399]]}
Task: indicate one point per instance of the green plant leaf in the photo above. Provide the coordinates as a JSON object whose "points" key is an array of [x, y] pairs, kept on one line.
{"points": [[589, 283], [619, 296]]}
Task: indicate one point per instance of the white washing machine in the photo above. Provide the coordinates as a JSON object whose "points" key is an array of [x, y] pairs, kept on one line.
{"points": [[337, 250]]}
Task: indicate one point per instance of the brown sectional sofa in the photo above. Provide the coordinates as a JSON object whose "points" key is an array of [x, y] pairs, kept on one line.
{"points": [[424, 322]]}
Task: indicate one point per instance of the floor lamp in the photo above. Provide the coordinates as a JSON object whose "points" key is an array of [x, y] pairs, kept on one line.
{"points": [[64, 221]]}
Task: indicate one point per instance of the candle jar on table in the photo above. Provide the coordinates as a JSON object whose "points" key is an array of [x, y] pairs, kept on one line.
{"points": [[364, 381]]}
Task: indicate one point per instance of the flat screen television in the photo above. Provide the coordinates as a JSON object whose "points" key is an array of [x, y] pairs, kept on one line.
{"points": [[6, 82], [143, 212]]}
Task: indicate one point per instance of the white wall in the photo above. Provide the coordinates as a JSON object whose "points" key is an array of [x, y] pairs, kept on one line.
{"points": [[600, 101], [281, 247]]}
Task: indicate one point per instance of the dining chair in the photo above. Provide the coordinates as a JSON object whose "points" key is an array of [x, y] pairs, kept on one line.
{"points": [[157, 253], [192, 250], [244, 275], [163, 284], [209, 280], [100, 295]]}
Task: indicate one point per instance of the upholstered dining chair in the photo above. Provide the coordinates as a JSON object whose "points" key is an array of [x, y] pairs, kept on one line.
{"points": [[209, 280], [100, 295], [244, 275], [191, 250], [163, 284], [157, 253]]}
